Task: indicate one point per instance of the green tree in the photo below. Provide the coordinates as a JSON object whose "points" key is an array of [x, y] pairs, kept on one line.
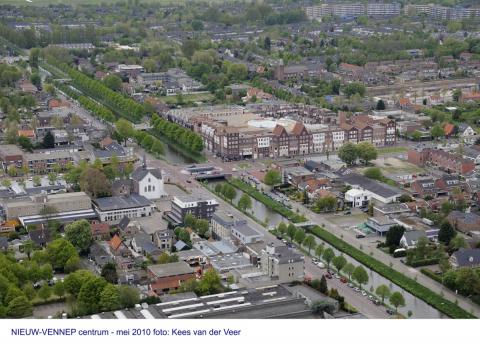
{"points": [[328, 256], [59, 289], [109, 272], [458, 242], [299, 236], [373, 173], [59, 252], [79, 233], [110, 298], [354, 88], [36, 80], [383, 291], [113, 82], [397, 300], [282, 228], [88, 300], [45, 292], [291, 230], [380, 105], [229, 192], [348, 153], [416, 135], [366, 152], [124, 129], [202, 227], [326, 203], [48, 140], [129, 296], [19, 307], [349, 268], [339, 262], [323, 288], [245, 202], [446, 233], [95, 183], [436, 131], [319, 250], [272, 177], [456, 94], [394, 235], [210, 283], [360, 275], [309, 242], [25, 143], [189, 220]]}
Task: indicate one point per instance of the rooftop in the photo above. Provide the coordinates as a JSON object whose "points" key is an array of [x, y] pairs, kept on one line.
{"points": [[121, 202], [170, 269]]}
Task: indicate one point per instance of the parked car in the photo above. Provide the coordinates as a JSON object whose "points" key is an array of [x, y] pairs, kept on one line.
{"points": [[364, 293], [390, 312], [328, 276], [350, 285], [337, 276], [320, 265], [348, 212], [314, 260], [376, 302], [360, 236], [343, 280], [357, 289]]}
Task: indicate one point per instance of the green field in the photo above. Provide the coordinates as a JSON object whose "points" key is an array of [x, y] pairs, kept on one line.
{"points": [[196, 97]]}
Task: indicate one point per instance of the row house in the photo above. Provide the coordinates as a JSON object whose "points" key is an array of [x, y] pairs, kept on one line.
{"points": [[441, 159]]}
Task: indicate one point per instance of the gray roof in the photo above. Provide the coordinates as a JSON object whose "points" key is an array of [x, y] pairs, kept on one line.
{"points": [[170, 269], [180, 245], [467, 257], [124, 223], [3, 243], [144, 241], [40, 236], [286, 255], [142, 172], [244, 229], [373, 186], [467, 218], [413, 236], [121, 202]]}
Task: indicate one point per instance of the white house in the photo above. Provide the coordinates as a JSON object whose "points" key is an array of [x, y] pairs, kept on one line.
{"points": [[467, 133], [357, 197], [148, 182]]}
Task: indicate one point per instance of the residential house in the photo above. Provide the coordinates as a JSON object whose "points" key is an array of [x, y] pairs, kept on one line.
{"points": [[380, 224], [357, 198], [128, 228], [424, 188], [464, 222], [118, 247], [164, 239], [142, 243], [41, 237], [3, 243], [410, 239], [467, 133], [465, 258], [100, 230], [99, 255], [448, 183], [443, 160]]}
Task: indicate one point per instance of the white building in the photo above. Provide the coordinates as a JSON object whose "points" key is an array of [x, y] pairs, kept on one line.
{"points": [[113, 209], [148, 182], [357, 197]]}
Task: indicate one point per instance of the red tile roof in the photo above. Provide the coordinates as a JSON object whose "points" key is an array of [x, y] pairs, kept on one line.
{"points": [[448, 129], [116, 242]]}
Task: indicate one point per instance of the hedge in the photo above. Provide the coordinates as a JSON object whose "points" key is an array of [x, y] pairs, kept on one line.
{"points": [[416, 289], [423, 262], [431, 274], [267, 201]]}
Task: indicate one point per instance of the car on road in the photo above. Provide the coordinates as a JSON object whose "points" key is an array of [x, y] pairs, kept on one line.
{"points": [[320, 265], [350, 285], [364, 293], [279, 237], [284, 241], [348, 212], [376, 302], [357, 289], [360, 236], [343, 280], [337, 276], [189, 181], [314, 260], [390, 312]]}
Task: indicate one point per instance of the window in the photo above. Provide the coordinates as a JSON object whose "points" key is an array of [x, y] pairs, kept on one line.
{"points": [[145, 189]]}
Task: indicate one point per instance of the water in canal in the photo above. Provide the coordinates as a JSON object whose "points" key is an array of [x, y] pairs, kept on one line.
{"points": [[173, 156]]}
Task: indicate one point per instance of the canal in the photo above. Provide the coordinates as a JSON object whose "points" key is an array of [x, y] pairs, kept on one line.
{"points": [[173, 156], [418, 308]]}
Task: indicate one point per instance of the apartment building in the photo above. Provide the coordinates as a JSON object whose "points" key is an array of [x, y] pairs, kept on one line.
{"points": [[199, 208], [438, 12], [346, 10], [10, 155], [42, 163], [380, 9], [282, 264]]}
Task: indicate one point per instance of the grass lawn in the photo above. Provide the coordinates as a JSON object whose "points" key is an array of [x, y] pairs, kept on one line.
{"points": [[389, 150], [196, 97]]}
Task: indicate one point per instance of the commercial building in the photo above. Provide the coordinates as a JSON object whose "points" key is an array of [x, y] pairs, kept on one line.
{"points": [[200, 208], [168, 277], [235, 133], [63, 207], [282, 264], [114, 209], [371, 188]]}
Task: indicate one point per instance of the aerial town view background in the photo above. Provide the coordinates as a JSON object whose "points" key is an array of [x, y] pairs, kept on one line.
{"points": [[235, 159]]}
